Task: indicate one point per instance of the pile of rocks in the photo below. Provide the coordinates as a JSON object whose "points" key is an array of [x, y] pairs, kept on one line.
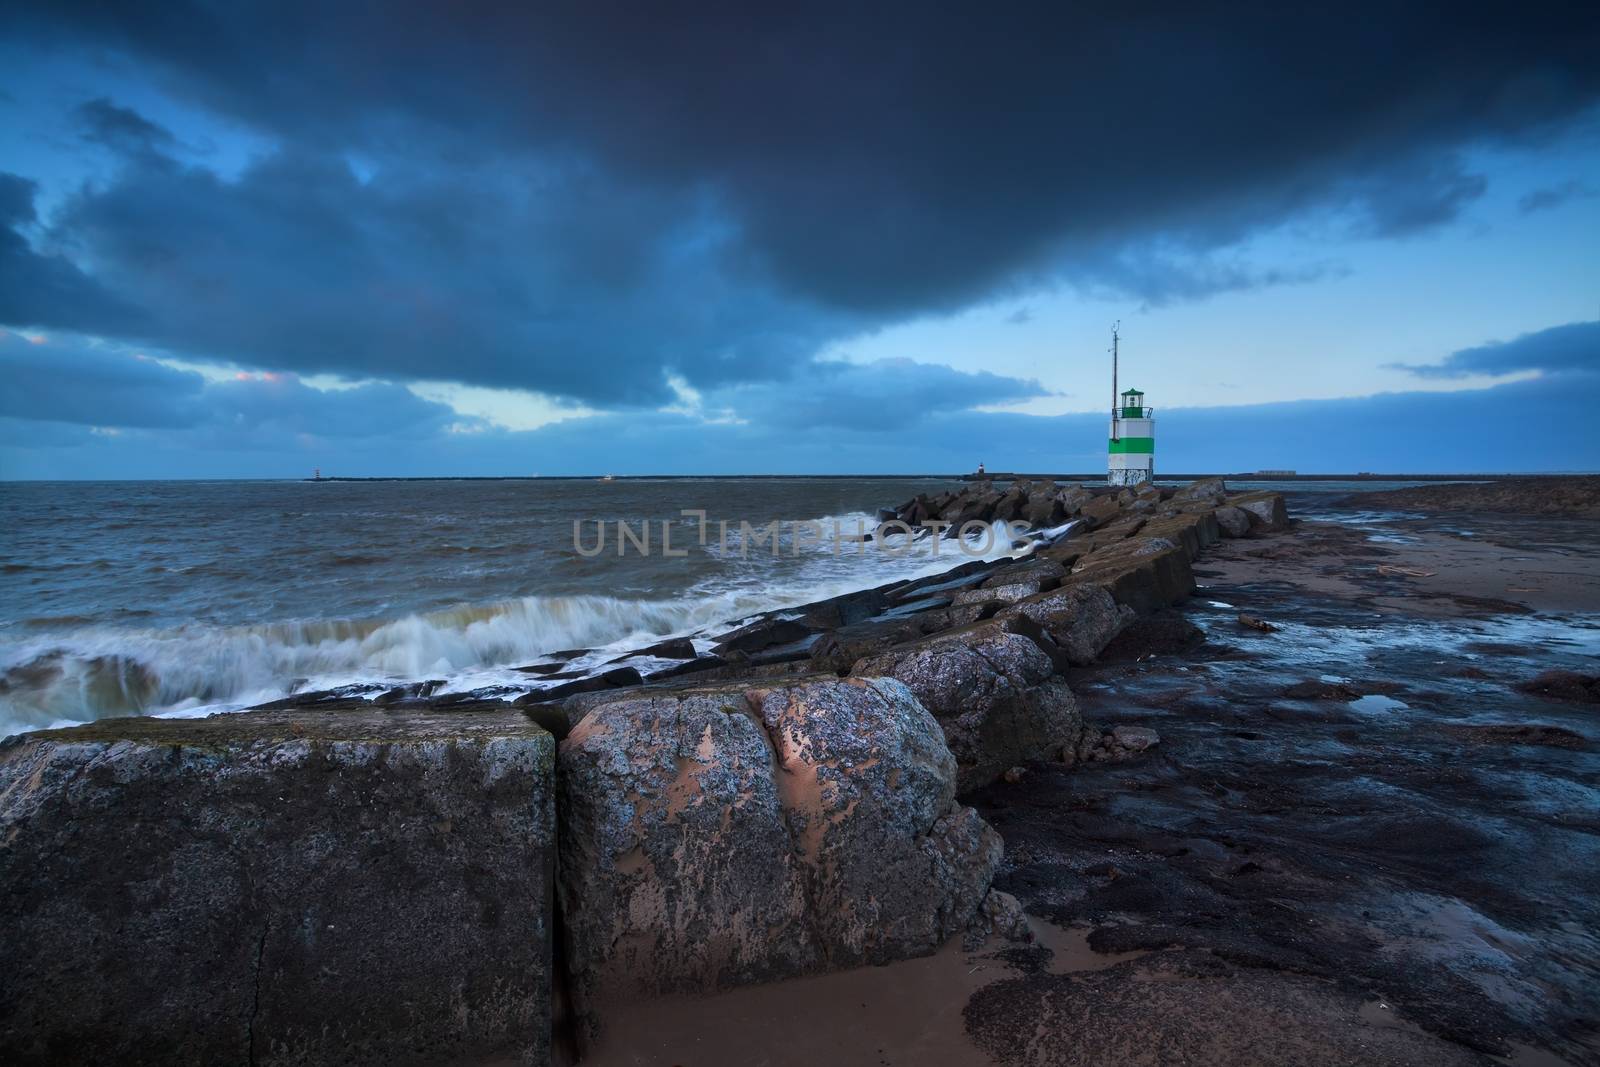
{"points": [[367, 879]]}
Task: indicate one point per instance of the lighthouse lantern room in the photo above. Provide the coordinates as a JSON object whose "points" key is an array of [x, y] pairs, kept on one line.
{"points": [[1131, 456]]}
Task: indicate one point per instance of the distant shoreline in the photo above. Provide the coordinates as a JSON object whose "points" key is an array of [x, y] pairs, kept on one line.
{"points": [[1001, 476]]}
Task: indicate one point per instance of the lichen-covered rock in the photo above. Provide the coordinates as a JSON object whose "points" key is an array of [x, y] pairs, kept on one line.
{"points": [[278, 888], [1011, 591], [720, 836], [1081, 619], [993, 694]]}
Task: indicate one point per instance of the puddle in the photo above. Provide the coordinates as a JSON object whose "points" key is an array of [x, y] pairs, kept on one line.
{"points": [[1376, 702]]}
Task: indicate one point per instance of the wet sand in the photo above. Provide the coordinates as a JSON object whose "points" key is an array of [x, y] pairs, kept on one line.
{"points": [[1356, 842]]}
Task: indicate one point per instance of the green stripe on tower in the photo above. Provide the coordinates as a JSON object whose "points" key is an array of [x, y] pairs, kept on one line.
{"points": [[1131, 445]]}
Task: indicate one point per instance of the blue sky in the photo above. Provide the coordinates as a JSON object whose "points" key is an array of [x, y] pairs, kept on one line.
{"points": [[249, 241]]}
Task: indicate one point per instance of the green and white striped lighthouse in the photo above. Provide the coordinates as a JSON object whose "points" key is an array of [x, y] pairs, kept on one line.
{"points": [[1131, 457]]}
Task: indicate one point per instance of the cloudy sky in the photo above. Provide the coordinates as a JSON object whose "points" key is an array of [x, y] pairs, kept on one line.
{"points": [[243, 240]]}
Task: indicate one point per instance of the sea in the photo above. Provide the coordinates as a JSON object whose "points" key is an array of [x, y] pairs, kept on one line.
{"points": [[186, 598]]}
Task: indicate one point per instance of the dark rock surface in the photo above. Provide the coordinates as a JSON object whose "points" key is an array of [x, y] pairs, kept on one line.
{"points": [[1564, 685], [1189, 1007], [1358, 839], [1573, 496], [278, 887]]}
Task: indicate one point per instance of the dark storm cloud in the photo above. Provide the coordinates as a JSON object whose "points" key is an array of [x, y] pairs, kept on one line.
{"points": [[50, 380], [1574, 347], [40, 289], [543, 277], [122, 129], [573, 199]]}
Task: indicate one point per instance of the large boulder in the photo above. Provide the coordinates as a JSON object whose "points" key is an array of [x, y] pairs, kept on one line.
{"points": [[1072, 499], [1208, 490], [1143, 573], [1232, 521], [1101, 509], [1046, 572], [726, 835], [1267, 510], [1195, 531], [993, 693], [278, 887], [1081, 619]]}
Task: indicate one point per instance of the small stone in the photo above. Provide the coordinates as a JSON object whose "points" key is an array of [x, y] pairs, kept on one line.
{"points": [[1135, 738], [1015, 775]]}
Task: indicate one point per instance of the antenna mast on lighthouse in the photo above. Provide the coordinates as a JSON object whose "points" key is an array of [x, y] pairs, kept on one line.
{"points": [[1115, 326]]}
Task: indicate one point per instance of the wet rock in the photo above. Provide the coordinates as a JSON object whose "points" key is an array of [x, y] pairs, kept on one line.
{"points": [[410, 691], [1235, 522], [615, 678], [673, 648], [1564, 685], [993, 694], [1000, 915], [1190, 1008], [317, 887], [1134, 738], [1166, 633], [837, 652], [846, 610], [1315, 689], [690, 666], [721, 836], [1519, 734], [760, 635], [544, 669], [1080, 619]]}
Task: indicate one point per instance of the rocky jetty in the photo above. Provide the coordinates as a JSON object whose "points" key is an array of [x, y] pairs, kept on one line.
{"points": [[1566, 496], [367, 876]]}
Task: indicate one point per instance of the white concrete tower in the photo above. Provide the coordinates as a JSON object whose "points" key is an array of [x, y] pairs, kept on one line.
{"points": [[1132, 448]]}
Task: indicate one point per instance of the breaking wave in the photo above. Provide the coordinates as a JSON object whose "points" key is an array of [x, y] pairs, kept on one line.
{"points": [[95, 671]]}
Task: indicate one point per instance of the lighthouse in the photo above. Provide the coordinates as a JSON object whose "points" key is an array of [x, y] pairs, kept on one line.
{"points": [[1131, 458]]}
